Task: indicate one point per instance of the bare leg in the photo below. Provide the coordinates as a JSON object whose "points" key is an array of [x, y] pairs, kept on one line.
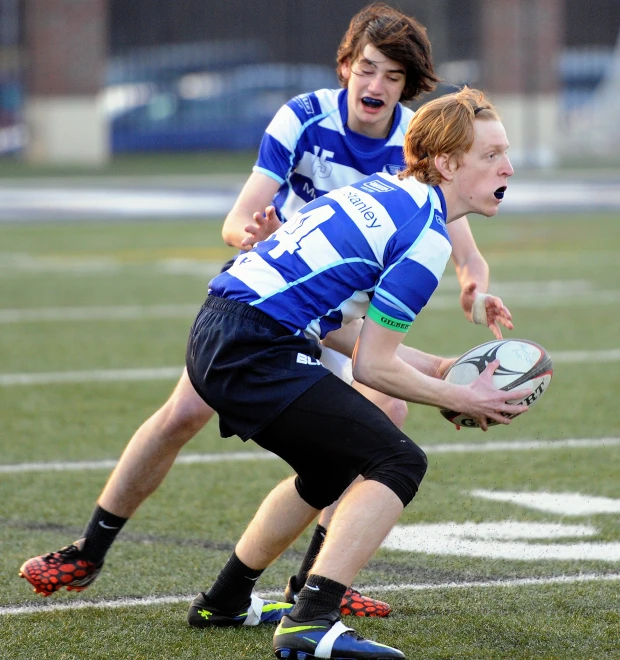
{"points": [[142, 467], [362, 520], [151, 451], [281, 518]]}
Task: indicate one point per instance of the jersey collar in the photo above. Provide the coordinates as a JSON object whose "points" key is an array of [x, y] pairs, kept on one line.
{"points": [[363, 143]]}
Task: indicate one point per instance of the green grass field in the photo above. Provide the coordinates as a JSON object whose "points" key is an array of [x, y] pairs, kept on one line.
{"points": [[99, 296]]}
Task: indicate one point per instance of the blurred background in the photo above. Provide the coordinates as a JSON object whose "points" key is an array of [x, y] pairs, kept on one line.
{"points": [[127, 129], [82, 81]]}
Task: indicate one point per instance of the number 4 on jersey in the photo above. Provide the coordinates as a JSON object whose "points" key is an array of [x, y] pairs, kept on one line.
{"points": [[291, 234]]}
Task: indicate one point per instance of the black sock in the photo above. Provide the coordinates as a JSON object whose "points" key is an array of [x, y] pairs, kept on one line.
{"points": [[311, 554], [232, 589], [320, 598], [100, 533]]}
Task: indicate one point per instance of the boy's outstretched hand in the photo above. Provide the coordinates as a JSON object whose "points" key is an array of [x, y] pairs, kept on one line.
{"points": [[485, 309]]}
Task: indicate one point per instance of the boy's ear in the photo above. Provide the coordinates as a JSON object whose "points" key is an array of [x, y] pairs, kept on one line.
{"points": [[446, 165], [345, 69]]}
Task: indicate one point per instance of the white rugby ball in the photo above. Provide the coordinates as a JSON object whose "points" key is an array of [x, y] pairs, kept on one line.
{"points": [[523, 364]]}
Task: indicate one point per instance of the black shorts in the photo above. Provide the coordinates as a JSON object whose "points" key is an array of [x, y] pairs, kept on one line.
{"points": [[247, 366], [269, 385]]}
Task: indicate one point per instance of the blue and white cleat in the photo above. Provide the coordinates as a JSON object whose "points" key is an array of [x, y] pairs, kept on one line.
{"points": [[323, 638], [202, 615]]}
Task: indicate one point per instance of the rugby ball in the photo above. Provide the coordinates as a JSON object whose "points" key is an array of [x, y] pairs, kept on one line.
{"points": [[523, 363]]}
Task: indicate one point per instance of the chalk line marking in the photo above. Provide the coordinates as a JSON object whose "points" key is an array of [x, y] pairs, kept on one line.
{"points": [[193, 459], [183, 459], [202, 269], [94, 376], [173, 600], [112, 313], [166, 373]]}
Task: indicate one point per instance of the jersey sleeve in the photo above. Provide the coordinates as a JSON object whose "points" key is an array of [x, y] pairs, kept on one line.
{"points": [[278, 153], [407, 283]]}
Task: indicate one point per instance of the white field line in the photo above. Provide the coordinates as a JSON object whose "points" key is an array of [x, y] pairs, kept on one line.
{"points": [[527, 300], [115, 313], [192, 459], [166, 373], [94, 376], [113, 202], [183, 459], [173, 600], [131, 312], [572, 357]]}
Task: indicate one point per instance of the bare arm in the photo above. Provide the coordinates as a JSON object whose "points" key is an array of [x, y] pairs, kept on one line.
{"points": [[246, 223], [472, 272], [344, 340], [382, 363], [470, 265]]}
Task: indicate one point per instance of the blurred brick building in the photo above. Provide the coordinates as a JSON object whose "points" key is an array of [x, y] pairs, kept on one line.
{"points": [[59, 54]]}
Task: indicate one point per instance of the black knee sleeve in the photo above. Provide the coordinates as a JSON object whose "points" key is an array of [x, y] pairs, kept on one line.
{"points": [[324, 488], [331, 433], [402, 471]]}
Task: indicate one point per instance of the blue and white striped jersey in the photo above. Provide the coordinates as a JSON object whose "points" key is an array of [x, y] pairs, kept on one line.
{"points": [[378, 247], [309, 149]]}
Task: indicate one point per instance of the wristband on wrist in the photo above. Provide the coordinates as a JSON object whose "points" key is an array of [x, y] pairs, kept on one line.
{"points": [[479, 309]]}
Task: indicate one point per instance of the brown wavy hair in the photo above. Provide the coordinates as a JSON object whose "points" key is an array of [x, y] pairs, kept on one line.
{"points": [[444, 125], [397, 36]]}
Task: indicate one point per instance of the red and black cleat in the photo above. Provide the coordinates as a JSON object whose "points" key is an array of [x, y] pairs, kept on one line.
{"points": [[355, 604], [64, 568]]}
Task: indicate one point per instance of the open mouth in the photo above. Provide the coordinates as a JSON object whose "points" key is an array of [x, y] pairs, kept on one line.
{"points": [[499, 193], [372, 103]]}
